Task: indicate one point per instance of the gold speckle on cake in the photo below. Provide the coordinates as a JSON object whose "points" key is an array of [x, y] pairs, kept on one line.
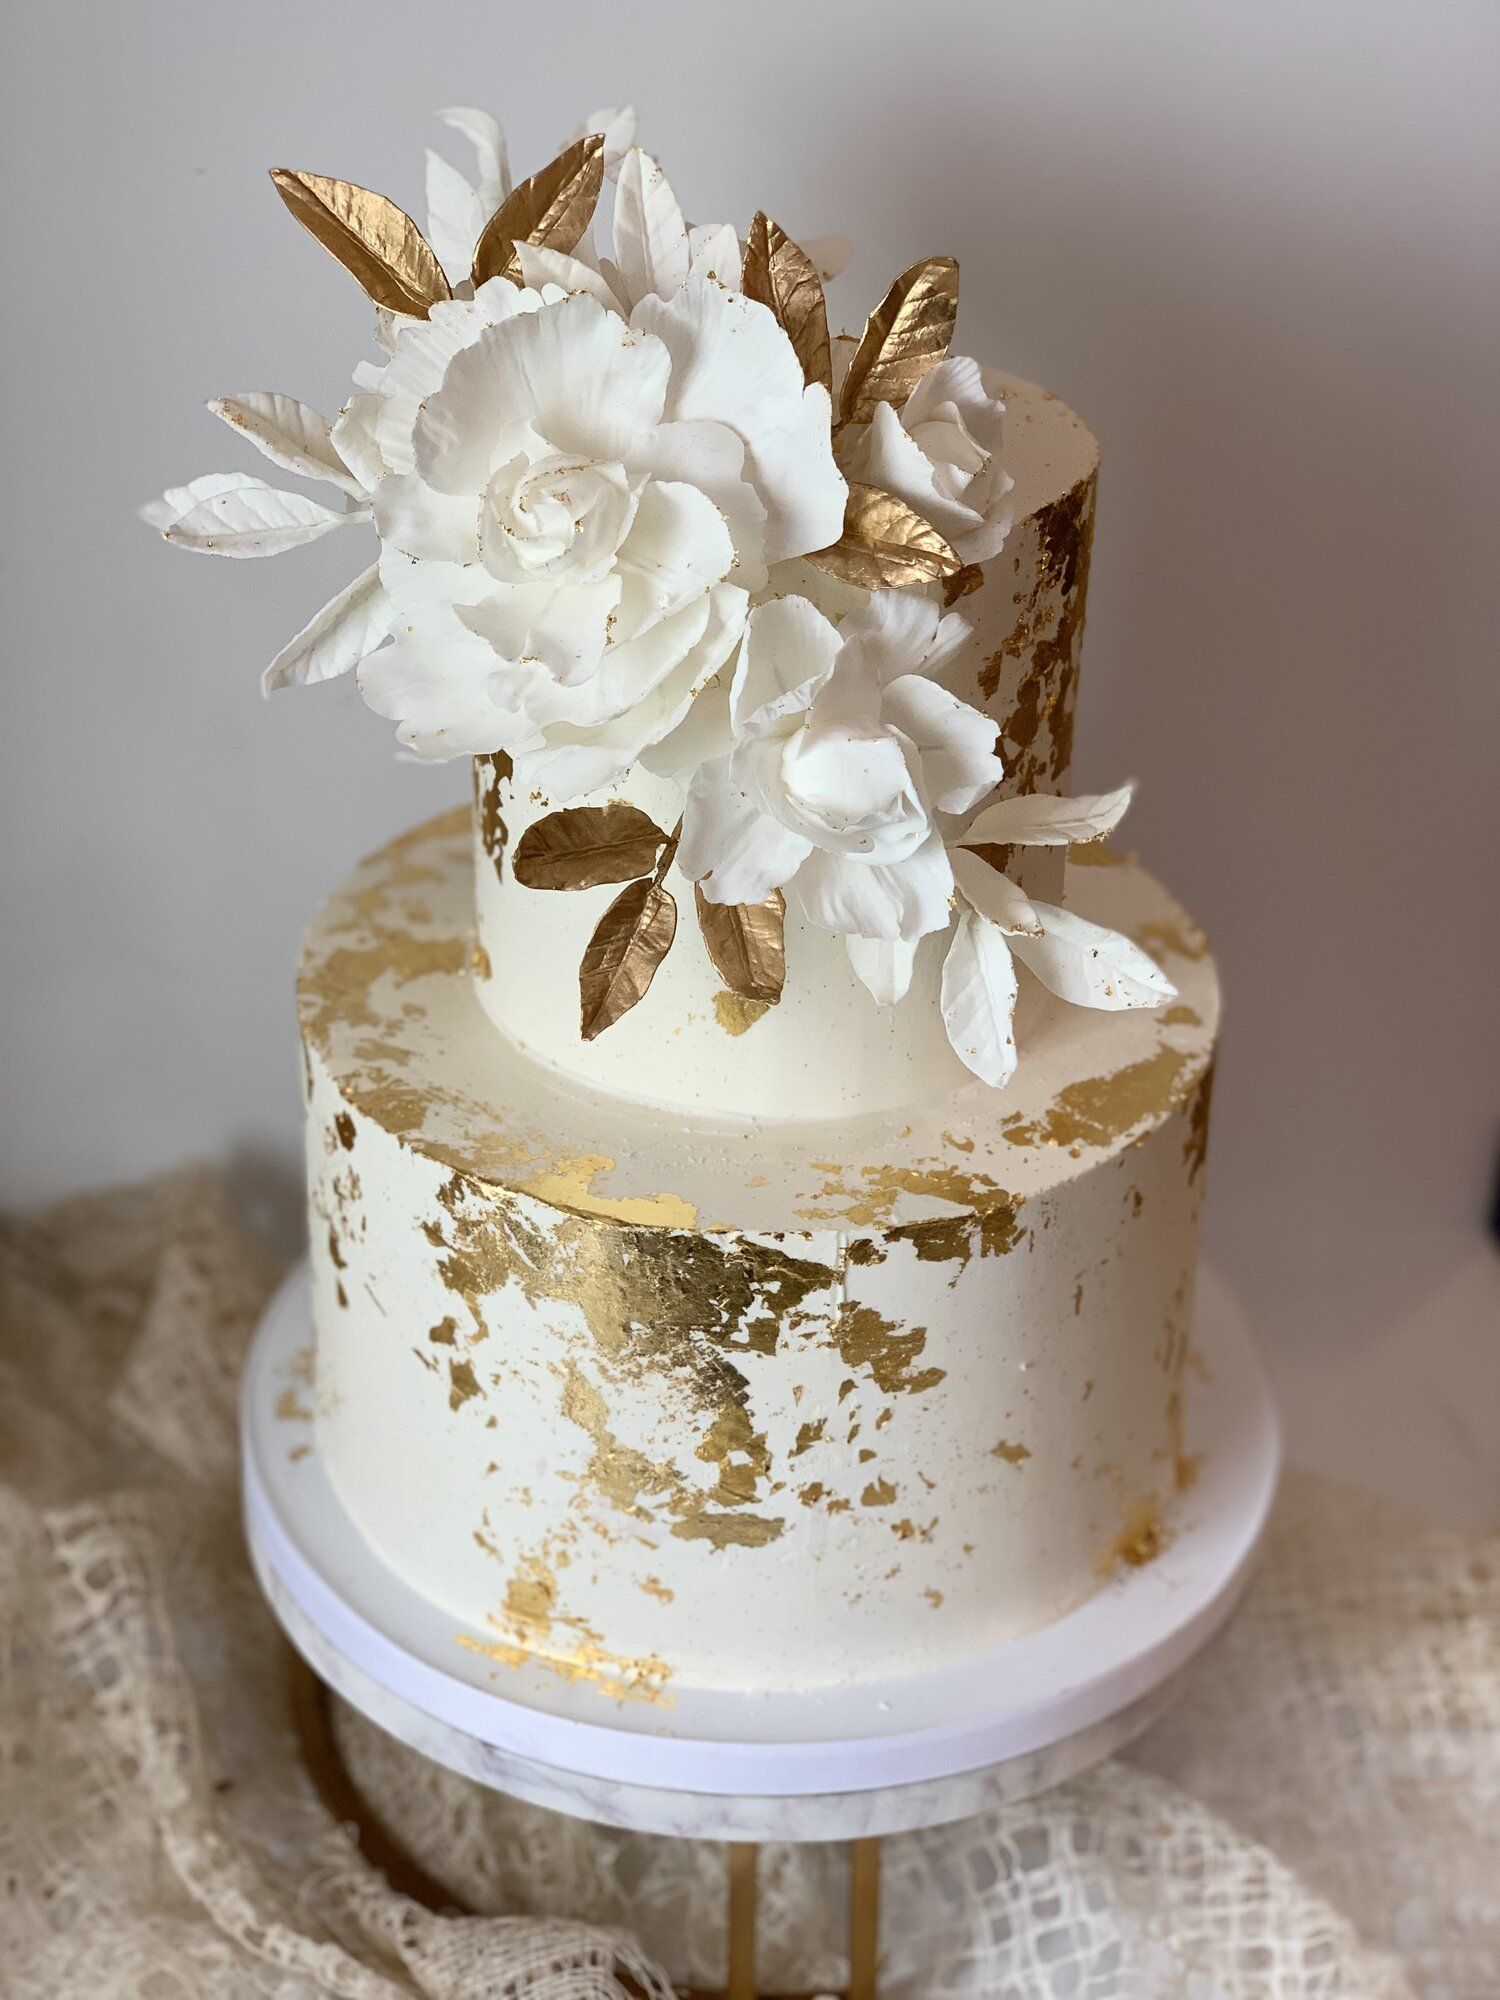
{"points": [[489, 773], [1098, 1110], [1195, 1148], [879, 1493], [1177, 937], [622, 1679], [462, 1384], [1185, 1464], [735, 1012], [866, 1339], [1140, 1540], [530, 1597], [1013, 1454], [808, 1434], [1099, 854]]}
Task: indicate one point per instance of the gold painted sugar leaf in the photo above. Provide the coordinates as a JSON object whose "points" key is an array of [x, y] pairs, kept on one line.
{"points": [[375, 241], [632, 938], [779, 274], [907, 334], [886, 544], [747, 943], [552, 210], [584, 846]]}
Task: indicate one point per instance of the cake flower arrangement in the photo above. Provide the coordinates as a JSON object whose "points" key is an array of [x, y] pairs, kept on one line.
{"points": [[637, 508]]}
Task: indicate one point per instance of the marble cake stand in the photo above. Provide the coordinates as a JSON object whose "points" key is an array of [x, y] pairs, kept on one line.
{"points": [[826, 1764]]}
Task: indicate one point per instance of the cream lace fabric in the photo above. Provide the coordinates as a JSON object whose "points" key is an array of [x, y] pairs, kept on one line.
{"points": [[1319, 1817]]}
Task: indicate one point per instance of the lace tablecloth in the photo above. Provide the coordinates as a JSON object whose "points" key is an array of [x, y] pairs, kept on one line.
{"points": [[1319, 1817]]}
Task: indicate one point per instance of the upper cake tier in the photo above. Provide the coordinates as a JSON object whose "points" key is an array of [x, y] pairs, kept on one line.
{"points": [[826, 1049]]}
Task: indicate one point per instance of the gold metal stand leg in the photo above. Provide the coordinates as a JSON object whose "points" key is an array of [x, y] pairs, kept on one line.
{"points": [[743, 1855], [864, 1916]]}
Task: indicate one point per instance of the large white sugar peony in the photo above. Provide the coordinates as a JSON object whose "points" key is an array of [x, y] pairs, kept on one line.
{"points": [[941, 453], [845, 748], [573, 511]]}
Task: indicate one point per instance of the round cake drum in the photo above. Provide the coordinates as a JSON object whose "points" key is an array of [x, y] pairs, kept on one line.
{"points": [[820, 1764]]}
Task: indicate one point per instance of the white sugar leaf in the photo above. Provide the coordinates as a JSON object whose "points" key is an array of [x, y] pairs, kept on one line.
{"points": [[347, 628], [178, 500], [485, 136], [253, 519], [979, 999], [994, 895], [884, 965], [714, 252], [1037, 820], [616, 126], [540, 267], [456, 215], [828, 255], [354, 440], [651, 239], [1089, 966], [289, 434]]}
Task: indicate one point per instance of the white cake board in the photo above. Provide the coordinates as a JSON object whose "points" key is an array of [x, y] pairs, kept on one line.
{"points": [[826, 1764]]}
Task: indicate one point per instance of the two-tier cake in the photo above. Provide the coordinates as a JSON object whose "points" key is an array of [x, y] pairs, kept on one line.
{"points": [[755, 1154]]}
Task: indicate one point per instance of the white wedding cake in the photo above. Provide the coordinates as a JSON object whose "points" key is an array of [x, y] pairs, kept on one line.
{"points": [[755, 1154]]}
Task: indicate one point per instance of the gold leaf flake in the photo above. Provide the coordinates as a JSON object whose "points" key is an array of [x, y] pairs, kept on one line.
{"points": [[552, 210], [886, 544], [632, 938], [961, 584], [584, 846], [780, 274], [907, 334], [737, 1016], [747, 943], [373, 239]]}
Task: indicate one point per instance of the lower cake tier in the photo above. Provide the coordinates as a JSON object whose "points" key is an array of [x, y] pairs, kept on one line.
{"points": [[720, 1403]]}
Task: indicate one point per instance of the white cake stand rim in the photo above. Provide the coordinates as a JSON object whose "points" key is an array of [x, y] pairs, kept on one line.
{"points": [[1104, 1657]]}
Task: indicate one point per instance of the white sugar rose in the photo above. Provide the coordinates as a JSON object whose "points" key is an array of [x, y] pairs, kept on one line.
{"points": [[941, 454], [573, 512], [845, 750]]}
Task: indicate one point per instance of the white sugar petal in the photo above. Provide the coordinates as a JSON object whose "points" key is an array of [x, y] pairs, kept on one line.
{"points": [[455, 216], [788, 653], [714, 252], [1037, 819], [616, 126], [289, 434], [355, 442], [703, 735], [992, 894], [1089, 966], [651, 238], [876, 899], [884, 965], [347, 628], [253, 519], [540, 266], [979, 1000], [572, 374], [484, 135], [828, 255]]}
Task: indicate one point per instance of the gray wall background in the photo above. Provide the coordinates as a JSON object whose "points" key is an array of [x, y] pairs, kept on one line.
{"points": [[1256, 247]]}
